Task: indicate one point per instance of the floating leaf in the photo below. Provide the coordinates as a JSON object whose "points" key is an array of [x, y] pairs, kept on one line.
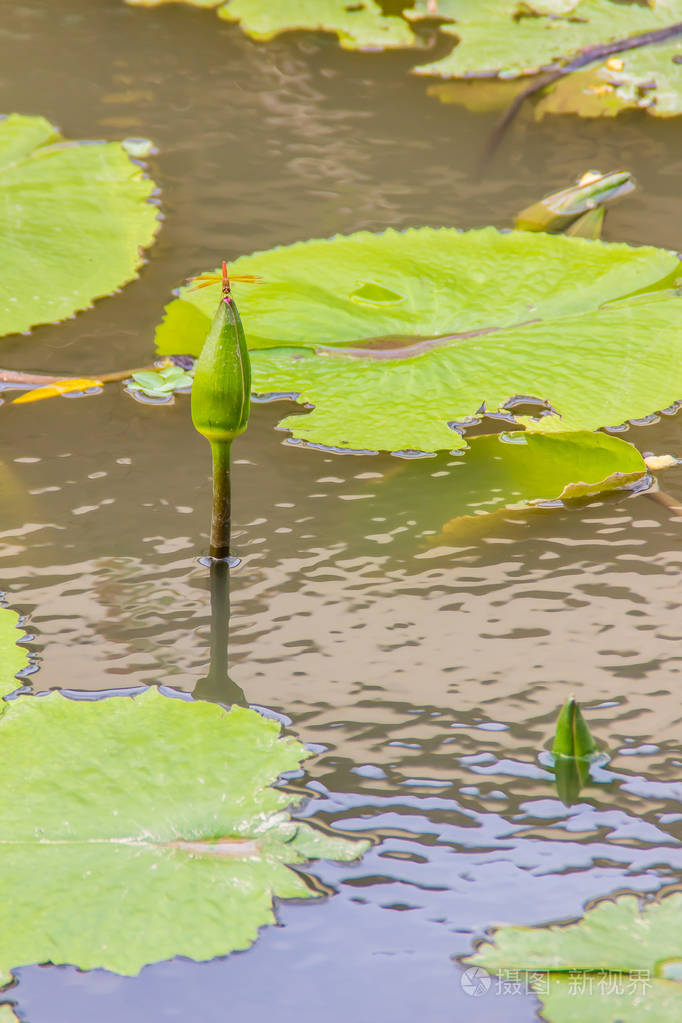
{"points": [[7, 1015], [60, 387], [147, 828], [618, 964], [657, 462], [12, 657], [399, 339], [560, 210], [73, 219], [161, 382], [359, 26], [494, 40], [649, 78]]}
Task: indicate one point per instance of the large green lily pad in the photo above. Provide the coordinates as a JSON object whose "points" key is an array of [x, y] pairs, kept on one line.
{"points": [[74, 218], [398, 339], [495, 40], [147, 828], [615, 965], [359, 26], [12, 657]]}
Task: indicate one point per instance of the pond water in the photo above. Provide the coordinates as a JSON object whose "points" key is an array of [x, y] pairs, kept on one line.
{"points": [[426, 674]]}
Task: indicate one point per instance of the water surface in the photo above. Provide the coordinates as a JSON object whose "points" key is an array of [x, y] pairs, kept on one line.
{"points": [[427, 674]]}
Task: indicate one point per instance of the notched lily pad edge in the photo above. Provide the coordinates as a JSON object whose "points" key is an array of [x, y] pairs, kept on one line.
{"points": [[485, 946], [22, 640], [153, 199], [228, 847], [506, 435]]}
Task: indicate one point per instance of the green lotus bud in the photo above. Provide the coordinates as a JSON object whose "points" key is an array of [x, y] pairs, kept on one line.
{"points": [[573, 737], [573, 750], [221, 391], [221, 396]]}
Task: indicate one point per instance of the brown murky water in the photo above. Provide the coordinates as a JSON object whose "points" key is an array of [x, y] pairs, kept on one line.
{"points": [[427, 675]]}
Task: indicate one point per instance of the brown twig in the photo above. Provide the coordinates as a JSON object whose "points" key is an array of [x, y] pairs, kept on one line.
{"points": [[671, 503], [10, 376], [31, 380]]}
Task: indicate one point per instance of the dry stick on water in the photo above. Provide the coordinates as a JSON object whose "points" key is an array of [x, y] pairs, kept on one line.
{"points": [[221, 396], [38, 385], [588, 56], [666, 500]]}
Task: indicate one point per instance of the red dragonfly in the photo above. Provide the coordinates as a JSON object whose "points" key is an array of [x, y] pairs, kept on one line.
{"points": [[209, 279]]}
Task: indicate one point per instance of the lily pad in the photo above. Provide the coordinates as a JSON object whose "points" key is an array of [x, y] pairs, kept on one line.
{"points": [[359, 25], [615, 965], [160, 383], [496, 38], [649, 78], [74, 218], [400, 339], [148, 828], [12, 657]]}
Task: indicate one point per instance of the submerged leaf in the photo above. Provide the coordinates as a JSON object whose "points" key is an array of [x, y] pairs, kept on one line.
{"points": [[12, 657], [649, 78], [359, 26], [612, 965], [73, 219], [501, 474], [480, 95], [148, 828], [400, 339]]}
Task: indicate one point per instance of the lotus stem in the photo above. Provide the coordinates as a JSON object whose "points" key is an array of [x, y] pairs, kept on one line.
{"points": [[221, 515]]}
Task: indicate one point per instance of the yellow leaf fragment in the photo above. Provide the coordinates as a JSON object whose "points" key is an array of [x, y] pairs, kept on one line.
{"points": [[600, 90], [54, 390], [588, 177], [656, 462]]}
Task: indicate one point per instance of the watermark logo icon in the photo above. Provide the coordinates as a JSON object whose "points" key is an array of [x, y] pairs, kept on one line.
{"points": [[475, 982]]}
